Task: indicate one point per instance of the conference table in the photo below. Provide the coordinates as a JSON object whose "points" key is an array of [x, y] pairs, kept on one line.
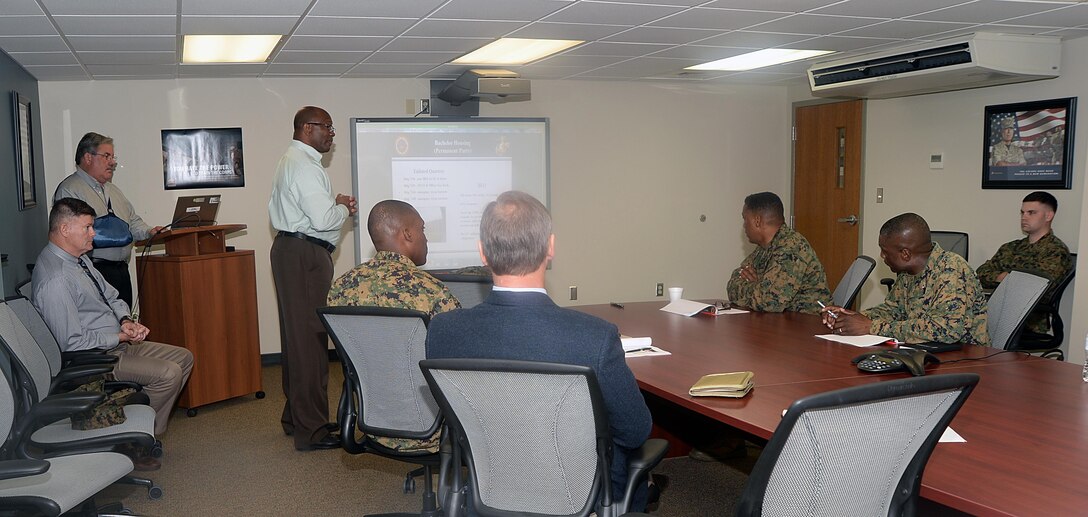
{"points": [[1025, 424]]}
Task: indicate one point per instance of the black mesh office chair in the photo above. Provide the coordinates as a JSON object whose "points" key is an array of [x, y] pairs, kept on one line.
{"points": [[384, 392], [1010, 305], [470, 289], [855, 451], [535, 438], [850, 285], [956, 242], [1049, 306]]}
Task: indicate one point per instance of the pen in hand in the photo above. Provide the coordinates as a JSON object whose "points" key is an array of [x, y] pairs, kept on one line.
{"points": [[833, 314]]}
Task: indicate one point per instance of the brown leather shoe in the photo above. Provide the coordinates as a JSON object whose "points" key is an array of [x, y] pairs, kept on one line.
{"points": [[146, 464]]}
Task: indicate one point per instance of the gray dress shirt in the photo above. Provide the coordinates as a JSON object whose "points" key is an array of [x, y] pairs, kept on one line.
{"points": [[81, 185], [79, 315]]}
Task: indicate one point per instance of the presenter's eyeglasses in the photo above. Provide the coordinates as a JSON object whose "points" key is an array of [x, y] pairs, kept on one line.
{"points": [[107, 156], [326, 126]]}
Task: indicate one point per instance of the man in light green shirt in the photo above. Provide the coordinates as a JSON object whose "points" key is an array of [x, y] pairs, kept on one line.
{"points": [[308, 218]]}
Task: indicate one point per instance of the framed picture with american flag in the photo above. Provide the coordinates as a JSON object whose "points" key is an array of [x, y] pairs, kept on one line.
{"points": [[1029, 145]]}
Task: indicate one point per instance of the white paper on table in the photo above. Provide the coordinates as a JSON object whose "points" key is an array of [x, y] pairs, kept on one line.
{"points": [[635, 343], [652, 351], [858, 341], [950, 436], [686, 307], [722, 312]]}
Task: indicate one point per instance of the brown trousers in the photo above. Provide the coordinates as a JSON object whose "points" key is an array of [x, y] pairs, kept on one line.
{"points": [[303, 274]]}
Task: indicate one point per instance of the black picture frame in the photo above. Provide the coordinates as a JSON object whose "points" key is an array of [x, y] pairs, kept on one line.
{"points": [[1038, 151], [25, 185], [202, 158]]}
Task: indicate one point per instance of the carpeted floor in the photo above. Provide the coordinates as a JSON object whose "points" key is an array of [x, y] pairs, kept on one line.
{"points": [[233, 459]]}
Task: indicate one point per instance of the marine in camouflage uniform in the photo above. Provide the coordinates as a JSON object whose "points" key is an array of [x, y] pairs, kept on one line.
{"points": [[393, 279], [943, 303], [791, 278], [1048, 257], [1007, 153]]}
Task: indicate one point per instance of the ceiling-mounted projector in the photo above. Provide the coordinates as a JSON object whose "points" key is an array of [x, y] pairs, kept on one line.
{"points": [[494, 86]]}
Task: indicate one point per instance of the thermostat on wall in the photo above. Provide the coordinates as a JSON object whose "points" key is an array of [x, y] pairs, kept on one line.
{"points": [[936, 161]]}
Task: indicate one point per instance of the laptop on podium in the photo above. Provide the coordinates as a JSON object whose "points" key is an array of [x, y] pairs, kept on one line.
{"points": [[194, 211]]}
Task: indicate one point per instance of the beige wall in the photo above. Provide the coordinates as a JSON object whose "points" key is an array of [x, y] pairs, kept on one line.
{"points": [[633, 166], [902, 133]]}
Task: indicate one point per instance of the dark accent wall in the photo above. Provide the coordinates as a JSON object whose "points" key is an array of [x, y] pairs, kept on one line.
{"points": [[22, 232]]}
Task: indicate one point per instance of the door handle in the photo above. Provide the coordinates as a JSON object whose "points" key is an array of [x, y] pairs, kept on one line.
{"points": [[852, 220]]}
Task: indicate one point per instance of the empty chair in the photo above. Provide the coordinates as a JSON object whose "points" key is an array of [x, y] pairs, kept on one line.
{"points": [[55, 485], [470, 290], [25, 289], [384, 392], [850, 285], [535, 437], [855, 451], [1049, 305], [956, 242], [1009, 306]]}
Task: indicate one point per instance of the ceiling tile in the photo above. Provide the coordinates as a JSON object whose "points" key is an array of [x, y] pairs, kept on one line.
{"points": [[753, 39], [123, 43], [904, 29], [702, 54], [413, 57], [887, 9], [44, 58], [982, 11], [347, 26], [237, 24], [128, 58], [814, 24], [462, 45], [116, 25], [757, 77], [717, 19], [286, 56], [308, 68], [1014, 29], [785, 6], [26, 26], [662, 35], [112, 7], [390, 8], [644, 67], [463, 28], [577, 31], [58, 73], [616, 49], [567, 60], [244, 7], [383, 68], [17, 7], [133, 70], [32, 43], [523, 10], [1070, 16], [550, 72], [843, 44], [236, 69], [343, 43], [612, 14]]}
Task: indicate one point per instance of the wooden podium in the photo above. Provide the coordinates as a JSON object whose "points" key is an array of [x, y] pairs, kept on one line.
{"points": [[204, 298]]}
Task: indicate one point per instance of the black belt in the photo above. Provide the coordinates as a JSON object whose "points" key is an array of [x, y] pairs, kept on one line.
{"points": [[104, 261], [313, 240]]}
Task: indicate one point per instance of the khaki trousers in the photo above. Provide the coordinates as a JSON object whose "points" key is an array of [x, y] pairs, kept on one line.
{"points": [[160, 368]]}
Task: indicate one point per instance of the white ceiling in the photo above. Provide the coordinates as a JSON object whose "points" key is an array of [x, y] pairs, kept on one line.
{"points": [[646, 40]]}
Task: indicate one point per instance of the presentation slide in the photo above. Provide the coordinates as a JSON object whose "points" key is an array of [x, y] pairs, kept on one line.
{"points": [[449, 170]]}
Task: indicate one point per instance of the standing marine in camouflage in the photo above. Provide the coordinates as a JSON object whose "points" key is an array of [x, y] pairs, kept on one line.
{"points": [[392, 279], [936, 296], [1041, 253], [783, 273], [1004, 152]]}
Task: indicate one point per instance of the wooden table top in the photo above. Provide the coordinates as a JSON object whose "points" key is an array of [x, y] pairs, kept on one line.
{"points": [[1024, 424]]}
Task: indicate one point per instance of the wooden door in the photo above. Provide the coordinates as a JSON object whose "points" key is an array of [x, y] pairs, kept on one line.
{"points": [[827, 182]]}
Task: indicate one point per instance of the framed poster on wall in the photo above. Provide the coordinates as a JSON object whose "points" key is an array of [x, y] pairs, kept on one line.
{"points": [[24, 152], [1029, 145], [202, 158]]}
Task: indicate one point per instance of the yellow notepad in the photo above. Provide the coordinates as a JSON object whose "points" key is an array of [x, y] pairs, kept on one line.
{"points": [[735, 384]]}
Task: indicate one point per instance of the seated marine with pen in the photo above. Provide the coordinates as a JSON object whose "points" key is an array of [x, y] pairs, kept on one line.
{"points": [[783, 273], [936, 295]]}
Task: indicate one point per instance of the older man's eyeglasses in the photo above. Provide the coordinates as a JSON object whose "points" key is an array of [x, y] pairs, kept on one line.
{"points": [[107, 156], [328, 127]]}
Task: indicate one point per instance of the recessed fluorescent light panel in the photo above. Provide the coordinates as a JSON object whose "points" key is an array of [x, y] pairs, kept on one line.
{"points": [[250, 48], [515, 51], [759, 59]]}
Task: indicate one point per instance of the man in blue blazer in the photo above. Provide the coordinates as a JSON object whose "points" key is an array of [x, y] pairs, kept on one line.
{"points": [[519, 321]]}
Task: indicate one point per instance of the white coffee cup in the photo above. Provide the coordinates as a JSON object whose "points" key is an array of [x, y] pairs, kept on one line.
{"points": [[675, 293]]}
